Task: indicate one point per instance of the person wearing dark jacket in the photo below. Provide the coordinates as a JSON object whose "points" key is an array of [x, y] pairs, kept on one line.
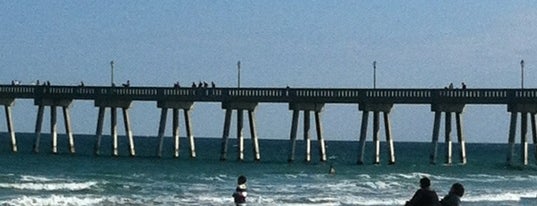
{"points": [[239, 196], [424, 196], [454, 196]]}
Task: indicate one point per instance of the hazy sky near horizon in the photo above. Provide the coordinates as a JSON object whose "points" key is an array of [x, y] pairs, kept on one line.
{"points": [[416, 44]]}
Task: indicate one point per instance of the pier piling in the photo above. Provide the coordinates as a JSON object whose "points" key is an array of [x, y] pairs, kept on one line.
{"points": [[9, 122], [52, 104], [306, 108], [114, 105], [239, 107], [292, 141], [524, 110], [448, 109], [376, 109], [175, 106]]}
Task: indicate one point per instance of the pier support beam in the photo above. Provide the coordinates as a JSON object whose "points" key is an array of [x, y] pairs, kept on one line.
{"points": [[448, 109], [524, 110], [8, 103], [306, 108], [175, 106], [113, 105], [53, 103], [376, 109], [240, 107]]}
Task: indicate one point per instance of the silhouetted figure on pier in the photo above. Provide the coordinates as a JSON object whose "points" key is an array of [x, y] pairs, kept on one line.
{"points": [[128, 84], [193, 84], [176, 85], [205, 85], [463, 85], [81, 84], [450, 86], [239, 196], [213, 85], [200, 85], [424, 196], [454, 196]]}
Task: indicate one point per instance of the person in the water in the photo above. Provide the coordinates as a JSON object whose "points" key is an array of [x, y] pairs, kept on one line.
{"points": [[239, 196], [424, 196], [454, 196]]}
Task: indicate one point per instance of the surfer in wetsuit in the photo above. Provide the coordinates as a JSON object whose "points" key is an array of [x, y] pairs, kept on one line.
{"points": [[424, 196], [239, 196]]}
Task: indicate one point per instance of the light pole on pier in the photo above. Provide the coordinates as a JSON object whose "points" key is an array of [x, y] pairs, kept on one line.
{"points": [[112, 73], [239, 74], [522, 74], [374, 74]]}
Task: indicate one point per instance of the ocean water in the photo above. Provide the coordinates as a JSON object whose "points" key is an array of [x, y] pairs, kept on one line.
{"points": [[27, 178]]}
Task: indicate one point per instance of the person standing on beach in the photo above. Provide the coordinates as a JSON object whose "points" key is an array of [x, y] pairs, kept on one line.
{"points": [[454, 196], [424, 196], [239, 196]]}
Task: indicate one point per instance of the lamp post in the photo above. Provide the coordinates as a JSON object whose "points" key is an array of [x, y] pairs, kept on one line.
{"points": [[522, 74], [112, 73], [239, 74], [374, 74]]}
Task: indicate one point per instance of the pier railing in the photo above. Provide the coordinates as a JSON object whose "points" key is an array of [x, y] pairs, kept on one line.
{"points": [[321, 95]]}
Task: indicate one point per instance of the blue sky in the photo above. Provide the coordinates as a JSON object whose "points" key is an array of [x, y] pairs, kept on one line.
{"points": [[417, 44]]}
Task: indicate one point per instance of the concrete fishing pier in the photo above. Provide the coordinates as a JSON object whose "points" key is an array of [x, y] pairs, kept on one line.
{"points": [[305, 100]]}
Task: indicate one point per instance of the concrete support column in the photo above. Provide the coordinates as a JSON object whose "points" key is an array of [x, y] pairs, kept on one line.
{"points": [[161, 129], [53, 103], [511, 141], [436, 134], [253, 134], [524, 138], [240, 138], [376, 109], [175, 106], [376, 139], [114, 104], [240, 107], [389, 139], [225, 136], [320, 139], [534, 134], [8, 103], [38, 125], [53, 131], [189, 134], [460, 136], [128, 131], [68, 130], [99, 131], [292, 142], [113, 131], [10, 129], [363, 136], [448, 109], [175, 132], [307, 139], [307, 108], [449, 146]]}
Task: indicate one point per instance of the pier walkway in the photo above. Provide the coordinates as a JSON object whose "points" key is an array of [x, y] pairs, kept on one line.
{"points": [[305, 100]]}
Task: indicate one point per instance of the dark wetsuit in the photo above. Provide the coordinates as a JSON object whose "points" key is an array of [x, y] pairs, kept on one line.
{"points": [[424, 197], [239, 196]]}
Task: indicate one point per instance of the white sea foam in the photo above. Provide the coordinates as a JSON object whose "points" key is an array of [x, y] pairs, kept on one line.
{"points": [[56, 200], [49, 186], [499, 197]]}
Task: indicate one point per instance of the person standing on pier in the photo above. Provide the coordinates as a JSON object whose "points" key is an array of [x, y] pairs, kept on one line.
{"points": [[424, 196], [239, 196]]}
